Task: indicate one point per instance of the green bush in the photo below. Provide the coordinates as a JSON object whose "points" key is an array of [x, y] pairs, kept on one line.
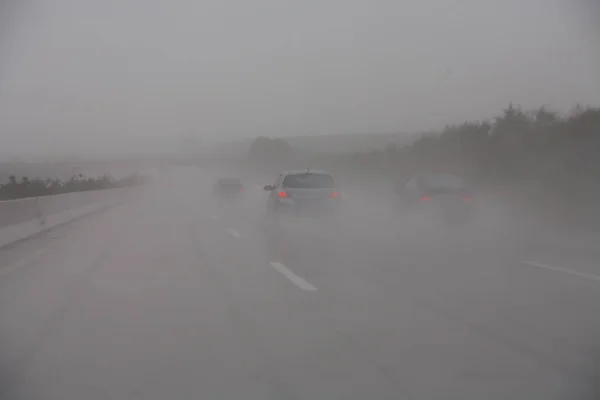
{"points": [[19, 189]]}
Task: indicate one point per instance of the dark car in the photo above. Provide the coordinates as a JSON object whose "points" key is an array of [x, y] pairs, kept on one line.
{"points": [[228, 188], [306, 192], [445, 194]]}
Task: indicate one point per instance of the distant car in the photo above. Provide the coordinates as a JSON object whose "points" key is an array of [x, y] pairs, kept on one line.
{"points": [[228, 188], [444, 193], [304, 193]]}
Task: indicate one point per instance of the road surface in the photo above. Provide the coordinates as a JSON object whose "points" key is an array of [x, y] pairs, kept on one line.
{"points": [[174, 296]]}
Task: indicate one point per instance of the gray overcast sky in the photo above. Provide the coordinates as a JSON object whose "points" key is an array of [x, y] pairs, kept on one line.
{"points": [[89, 75]]}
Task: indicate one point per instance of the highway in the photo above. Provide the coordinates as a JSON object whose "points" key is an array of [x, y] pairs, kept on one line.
{"points": [[172, 295]]}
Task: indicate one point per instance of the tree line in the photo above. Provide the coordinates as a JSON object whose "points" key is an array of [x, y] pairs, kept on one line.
{"points": [[555, 157], [515, 146], [25, 187]]}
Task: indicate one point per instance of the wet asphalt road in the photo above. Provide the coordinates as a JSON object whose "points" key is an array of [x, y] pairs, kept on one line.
{"points": [[172, 295]]}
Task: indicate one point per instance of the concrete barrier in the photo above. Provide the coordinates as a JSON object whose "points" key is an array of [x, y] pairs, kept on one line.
{"points": [[23, 218]]}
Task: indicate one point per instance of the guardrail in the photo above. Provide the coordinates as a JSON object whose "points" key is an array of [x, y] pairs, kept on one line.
{"points": [[22, 218]]}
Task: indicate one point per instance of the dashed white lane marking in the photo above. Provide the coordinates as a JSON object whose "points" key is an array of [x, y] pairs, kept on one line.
{"points": [[233, 232], [563, 270], [300, 282], [29, 259]]}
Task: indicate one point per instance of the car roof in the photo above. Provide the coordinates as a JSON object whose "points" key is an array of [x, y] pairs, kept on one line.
{"points": [[304, 171], [427, 175]]}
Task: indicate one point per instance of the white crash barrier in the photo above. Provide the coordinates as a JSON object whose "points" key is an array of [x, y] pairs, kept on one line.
{"points": [[22, 218]]}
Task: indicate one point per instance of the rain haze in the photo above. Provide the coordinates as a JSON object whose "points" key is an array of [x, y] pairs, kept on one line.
{"points": [[102, 77], [306, 200]]}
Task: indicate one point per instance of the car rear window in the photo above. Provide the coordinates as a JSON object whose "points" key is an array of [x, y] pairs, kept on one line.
{"points": [[230, 182], [443, 182], [307, 181]]}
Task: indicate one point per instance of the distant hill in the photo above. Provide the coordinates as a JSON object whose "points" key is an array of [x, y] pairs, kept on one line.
{"points": [[341, 143], [349, 143]]}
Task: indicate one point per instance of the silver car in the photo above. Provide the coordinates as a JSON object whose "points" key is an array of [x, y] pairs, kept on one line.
{"points": [[306, 192]]}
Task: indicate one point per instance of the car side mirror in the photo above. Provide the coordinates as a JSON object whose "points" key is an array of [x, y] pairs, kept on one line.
{"points": [[269, 188]]}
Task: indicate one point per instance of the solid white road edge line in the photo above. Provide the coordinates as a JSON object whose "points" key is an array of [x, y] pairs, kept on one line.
{"points": [[29, 259], [233, 232], [300, 282], [563, 270]]}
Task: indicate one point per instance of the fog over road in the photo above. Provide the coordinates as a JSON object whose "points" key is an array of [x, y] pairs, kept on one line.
{"points": [[172, 295]]}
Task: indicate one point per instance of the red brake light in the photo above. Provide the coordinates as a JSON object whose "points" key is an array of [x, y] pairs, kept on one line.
{"points": [[283, 194], [425, 198], [467, 198], [334, 195]]}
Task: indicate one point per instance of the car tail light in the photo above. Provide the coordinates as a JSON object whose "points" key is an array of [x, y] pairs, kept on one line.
{"points": [[334, 195], [283, 193], [425, 198], [467, 198]]}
